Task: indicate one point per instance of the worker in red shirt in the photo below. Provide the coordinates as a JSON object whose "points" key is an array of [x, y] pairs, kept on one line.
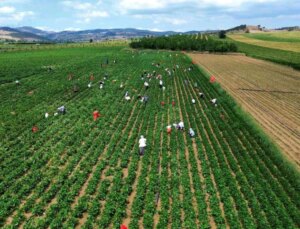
{"points": [[173, 103], [96, 115], [34, 129], [162, 103], [123, 227], [169, 129]]}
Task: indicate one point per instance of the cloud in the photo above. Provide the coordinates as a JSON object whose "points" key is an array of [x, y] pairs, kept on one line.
{"points": [[9, 14], [90, 15], [72, 29], [78, 5], [85, 10], [172, 21], [7, 10]]}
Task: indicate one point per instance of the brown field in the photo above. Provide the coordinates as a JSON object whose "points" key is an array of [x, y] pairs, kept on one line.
{"points": [[269, 92], [288, 46]]}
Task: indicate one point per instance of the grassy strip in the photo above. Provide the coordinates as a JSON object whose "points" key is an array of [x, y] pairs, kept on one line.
{"points": [[288, 58]]}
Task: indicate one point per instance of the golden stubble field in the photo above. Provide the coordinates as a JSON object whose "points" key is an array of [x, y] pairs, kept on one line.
{"points": [[269, 92], [288, 46]]}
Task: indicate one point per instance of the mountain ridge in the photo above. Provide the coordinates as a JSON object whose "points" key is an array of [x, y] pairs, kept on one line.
{"points": [[29, 33]]}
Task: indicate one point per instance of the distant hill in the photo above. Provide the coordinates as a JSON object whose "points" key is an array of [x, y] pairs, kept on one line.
{"points": [[259, 28], [38, 32], [7, 33], [237, 28], [291, 28], [28, 33], [102, 34]]}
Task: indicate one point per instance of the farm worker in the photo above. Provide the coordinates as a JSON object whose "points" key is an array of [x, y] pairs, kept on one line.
{"points": [[46, 115], [123, 227], [212, 79], [193, 101], [142, 145], [127, 98], [55, 114], [90, 85], [126, 93], [173, 103], [169, 129], [106, 76], [201, 95], [146, 84], [96, 115], [17, 82], [92, 77], [34, 129], [75, 88], [101, 84], [61, 110], [214, 102], [180, 125], [121, 86], [160, 83], [191, 133], [162, 103], [145, 99]]}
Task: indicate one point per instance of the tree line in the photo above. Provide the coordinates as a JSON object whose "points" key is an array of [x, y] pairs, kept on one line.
{"points": [[196, 42]]}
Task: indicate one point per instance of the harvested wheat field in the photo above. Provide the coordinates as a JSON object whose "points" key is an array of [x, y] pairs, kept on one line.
{"points": [[269, 92], [288, 46]]}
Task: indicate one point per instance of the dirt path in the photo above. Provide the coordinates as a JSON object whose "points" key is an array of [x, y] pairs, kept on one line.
{"points": [[269, 92]]}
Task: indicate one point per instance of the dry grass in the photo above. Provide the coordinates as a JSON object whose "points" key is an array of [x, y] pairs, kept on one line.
{"points": [[269, 92], [288, 46]]}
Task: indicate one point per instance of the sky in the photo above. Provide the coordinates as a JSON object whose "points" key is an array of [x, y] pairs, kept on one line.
{"points": [[156, 15]]}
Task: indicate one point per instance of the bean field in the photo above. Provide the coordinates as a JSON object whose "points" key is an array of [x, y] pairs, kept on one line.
{"points": [[75, 172]]}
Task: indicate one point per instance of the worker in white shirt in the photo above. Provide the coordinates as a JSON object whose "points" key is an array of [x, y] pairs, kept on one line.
{"points": [[214, 102], [191, 133], [142, 145], [180, 125], [146, 84], [160, 83]]}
